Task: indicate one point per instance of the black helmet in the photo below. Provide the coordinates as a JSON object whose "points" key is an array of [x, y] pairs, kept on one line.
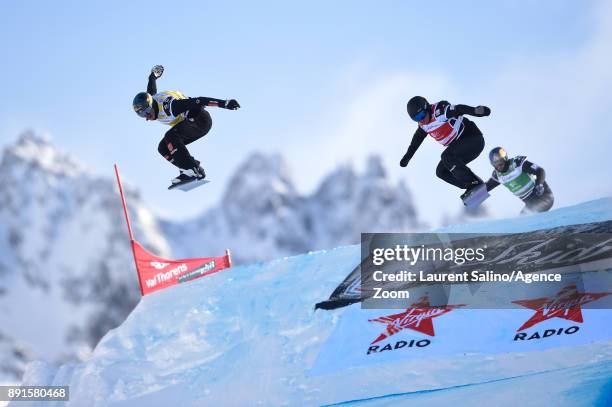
{"points": [[499, 158], [417, 108], [142, 104]]}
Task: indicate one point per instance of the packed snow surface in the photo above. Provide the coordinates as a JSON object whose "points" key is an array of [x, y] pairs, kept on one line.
{"points": [[249, 336]]}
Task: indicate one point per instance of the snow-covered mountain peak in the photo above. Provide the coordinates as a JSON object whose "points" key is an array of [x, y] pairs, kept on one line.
{"points": [[338, 185], [261, 170], [36, 150], [262, 183], [262, 215], [63, 246]]}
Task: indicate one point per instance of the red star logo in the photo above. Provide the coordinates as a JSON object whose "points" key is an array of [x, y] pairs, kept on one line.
{"points": [[418, 317], [565, 304]]}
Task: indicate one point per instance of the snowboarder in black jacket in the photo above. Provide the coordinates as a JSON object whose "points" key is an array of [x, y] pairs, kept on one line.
{"points": [[448, 126], [187, 117]]}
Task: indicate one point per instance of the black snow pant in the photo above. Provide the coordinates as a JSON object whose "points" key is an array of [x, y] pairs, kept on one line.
{"points": [[540, 203], [452, 167], [172, 146]]}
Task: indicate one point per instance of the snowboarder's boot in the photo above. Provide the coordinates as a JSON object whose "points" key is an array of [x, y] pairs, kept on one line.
{"points": [[186, 176], [192, 174], [473, 187], [201, 174]]}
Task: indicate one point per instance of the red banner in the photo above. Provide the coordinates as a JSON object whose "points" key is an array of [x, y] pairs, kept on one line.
{"points": [[156, 273]]}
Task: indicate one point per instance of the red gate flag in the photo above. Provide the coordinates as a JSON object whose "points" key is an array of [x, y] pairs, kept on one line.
{"points": [[155, 273]]}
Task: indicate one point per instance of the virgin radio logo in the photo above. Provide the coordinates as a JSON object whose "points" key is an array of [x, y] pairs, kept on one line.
{"points": [[158, 265], [418, 318], [566, 304]]}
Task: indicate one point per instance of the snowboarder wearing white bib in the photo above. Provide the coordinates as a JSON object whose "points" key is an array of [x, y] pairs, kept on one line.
{"points": [[462, 139], [188, 119], [523, 178]]}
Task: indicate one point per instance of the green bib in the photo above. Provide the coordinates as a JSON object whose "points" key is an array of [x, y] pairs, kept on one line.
{"points": [[518, 182]]}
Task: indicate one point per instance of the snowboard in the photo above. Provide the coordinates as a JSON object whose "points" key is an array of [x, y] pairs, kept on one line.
{"points": [[189, 185], [476, 196]]}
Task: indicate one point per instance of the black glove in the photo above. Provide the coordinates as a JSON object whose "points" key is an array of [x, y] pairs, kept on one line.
{"points": [[481, 111], [404, 161], [157, 71], [231, 104]]}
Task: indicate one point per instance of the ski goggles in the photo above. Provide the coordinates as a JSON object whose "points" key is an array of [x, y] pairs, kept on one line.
{"points": [[144, 112], [498, 159], [498, 162], [420, 115]]}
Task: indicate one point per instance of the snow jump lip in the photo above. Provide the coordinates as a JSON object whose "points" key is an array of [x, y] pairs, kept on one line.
{"points": [[208, 343]]}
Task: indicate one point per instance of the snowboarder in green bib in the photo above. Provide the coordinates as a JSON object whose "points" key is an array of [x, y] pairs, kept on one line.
{"points": [[523, 178]]}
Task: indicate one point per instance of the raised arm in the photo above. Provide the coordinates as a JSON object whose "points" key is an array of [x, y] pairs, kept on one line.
{"points": [[156, 72], [151, 85]]}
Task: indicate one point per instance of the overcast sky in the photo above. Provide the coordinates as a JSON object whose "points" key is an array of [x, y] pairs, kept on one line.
{"points": [[322, 82]]}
